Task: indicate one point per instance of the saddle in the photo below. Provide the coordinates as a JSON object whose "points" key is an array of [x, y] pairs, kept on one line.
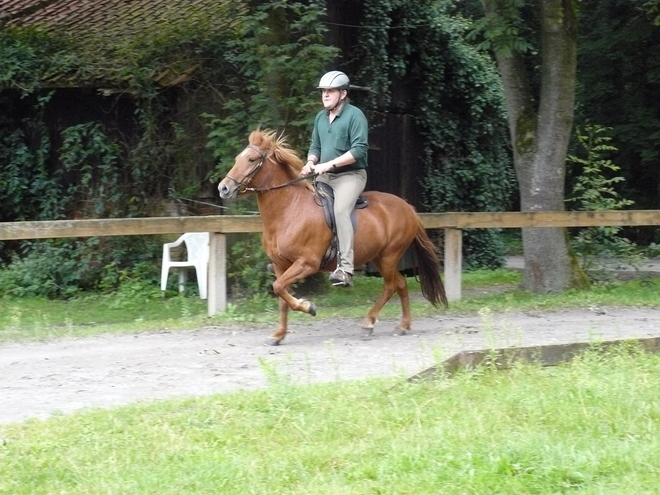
{"points": [[326, 199]]}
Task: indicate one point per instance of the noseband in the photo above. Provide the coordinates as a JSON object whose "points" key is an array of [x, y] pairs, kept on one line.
{"points": [[245, 181]]}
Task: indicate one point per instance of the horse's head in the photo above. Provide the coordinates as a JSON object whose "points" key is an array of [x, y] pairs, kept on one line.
{"points": [[247, 164], [262, 146]]}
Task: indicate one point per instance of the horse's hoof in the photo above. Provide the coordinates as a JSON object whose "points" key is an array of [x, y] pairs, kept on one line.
{"points": [[367, 333], [312, 309], [400, 332], [271, 342]]}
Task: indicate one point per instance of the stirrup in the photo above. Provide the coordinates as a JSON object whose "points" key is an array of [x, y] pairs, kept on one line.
{"points": [[341, 278]]}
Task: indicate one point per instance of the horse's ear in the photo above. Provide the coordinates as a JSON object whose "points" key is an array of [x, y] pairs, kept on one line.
{"points": [[263, 139], [256, 138]]}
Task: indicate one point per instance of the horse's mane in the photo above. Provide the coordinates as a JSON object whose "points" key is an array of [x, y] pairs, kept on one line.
{"points": [[277, 147]]}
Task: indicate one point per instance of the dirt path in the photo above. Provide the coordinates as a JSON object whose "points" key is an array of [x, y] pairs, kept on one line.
{"points": [[38, 379]]}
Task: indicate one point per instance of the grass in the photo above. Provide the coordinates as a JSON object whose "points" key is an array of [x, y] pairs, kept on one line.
{"points": [[39, 318], [25, 318], [588, 427]]}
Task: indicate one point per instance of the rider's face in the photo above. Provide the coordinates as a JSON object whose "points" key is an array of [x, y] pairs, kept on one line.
{"points": [[331, 97]]}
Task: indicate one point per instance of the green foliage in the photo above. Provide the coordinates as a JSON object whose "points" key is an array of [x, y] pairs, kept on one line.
{"points": [[618, 84], [87, 314], [247, 267], [29, 57], [483, 248], [600, 249], [146, 310], [222, 139], [502, 29], [458, 106], [592, 190], [130, 284], [49, 268], [28, 191], [61, 268], [258, 69], [90, 160], [279, 53], [653, 7]]}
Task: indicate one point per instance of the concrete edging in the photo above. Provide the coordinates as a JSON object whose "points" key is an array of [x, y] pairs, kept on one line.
{"points": [[545, 355]]}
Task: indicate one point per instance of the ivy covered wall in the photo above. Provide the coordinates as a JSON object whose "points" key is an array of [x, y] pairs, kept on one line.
{"points": [[165, 113], [168, 108], [418, 62]]}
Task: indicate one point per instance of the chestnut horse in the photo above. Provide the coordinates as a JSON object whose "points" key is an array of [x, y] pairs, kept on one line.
{"points": [[296, 235]]}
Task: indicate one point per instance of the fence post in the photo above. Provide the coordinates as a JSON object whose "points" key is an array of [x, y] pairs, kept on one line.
{"points": [[217, 279], [453, 263]]}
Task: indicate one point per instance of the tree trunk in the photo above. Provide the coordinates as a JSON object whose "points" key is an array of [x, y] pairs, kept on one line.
{"points": [[540, 137]]}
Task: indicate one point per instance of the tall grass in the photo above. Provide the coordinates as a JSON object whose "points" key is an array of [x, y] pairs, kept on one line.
{"points": [[588, 427]]}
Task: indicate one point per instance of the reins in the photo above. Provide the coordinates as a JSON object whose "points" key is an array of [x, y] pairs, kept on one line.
{"points": [[243, 183], [293, 181]]}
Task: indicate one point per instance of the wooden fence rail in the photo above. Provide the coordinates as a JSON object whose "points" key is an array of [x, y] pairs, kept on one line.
{"points": [[452, 223]]}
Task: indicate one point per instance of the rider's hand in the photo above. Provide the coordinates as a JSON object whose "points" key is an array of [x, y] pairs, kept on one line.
{"points": [[322, 168], [308, 168]]}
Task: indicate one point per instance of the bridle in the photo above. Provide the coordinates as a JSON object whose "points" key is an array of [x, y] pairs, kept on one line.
{"points": [[245, 181], [242, 185]]}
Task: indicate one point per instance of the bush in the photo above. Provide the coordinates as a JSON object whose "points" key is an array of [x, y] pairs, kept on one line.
{"points": [[61, 268], [600, 250]]}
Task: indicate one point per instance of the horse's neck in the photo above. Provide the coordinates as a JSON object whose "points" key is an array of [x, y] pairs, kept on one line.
{"points": [[283, 202]]}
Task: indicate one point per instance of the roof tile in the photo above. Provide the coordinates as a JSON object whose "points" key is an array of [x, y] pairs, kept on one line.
{"points": [[112, 18], [101, 24]]}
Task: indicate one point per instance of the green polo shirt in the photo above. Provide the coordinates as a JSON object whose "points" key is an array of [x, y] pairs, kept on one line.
{"points": [[347, 132]]}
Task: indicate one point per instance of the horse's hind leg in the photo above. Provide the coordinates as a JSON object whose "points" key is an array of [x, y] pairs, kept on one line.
{"points": [[393, 281]]}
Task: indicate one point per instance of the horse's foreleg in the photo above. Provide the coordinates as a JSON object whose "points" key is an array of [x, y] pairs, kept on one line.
{"points": [[283, 282], [302, 305], [297, 271], [278, 335]]}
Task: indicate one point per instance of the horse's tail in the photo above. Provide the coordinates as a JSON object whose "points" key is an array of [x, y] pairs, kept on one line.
{"points": [[428, 267]]}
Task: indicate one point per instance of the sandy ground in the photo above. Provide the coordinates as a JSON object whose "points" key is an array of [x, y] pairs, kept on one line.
{"points": [[38, 379]]}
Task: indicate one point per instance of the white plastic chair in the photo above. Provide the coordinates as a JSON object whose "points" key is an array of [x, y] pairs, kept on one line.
{"points": [[197, 247]]}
